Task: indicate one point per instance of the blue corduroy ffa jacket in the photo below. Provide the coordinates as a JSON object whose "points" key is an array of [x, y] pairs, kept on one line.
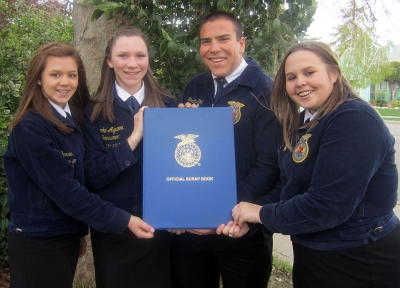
{"points": [[339, 185], [258, 134], [44, 170], [112, 169]]}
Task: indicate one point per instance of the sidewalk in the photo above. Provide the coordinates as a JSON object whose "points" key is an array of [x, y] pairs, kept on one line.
{"points": [[283, 245]]}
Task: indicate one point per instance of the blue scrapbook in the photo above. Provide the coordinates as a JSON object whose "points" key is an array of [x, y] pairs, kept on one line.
{"points": [[189, 175]]}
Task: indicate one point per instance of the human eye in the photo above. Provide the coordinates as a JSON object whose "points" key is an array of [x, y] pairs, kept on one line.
{"points": [[122, 55], [290, 78], [141, 56], [309, 73], [73, 75], [55, 74], [204, 41]]}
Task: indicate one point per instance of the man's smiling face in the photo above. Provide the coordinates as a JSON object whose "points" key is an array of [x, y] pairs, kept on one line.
{"points": [[220, 49]]}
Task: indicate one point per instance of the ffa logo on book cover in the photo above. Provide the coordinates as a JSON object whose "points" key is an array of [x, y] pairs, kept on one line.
{"points": [[187, 153]]}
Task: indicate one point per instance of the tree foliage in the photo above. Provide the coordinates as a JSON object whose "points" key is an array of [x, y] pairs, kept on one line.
{"points": [[362, 60], [393, 77], [25, 27], [270, 27], [7, 15]]}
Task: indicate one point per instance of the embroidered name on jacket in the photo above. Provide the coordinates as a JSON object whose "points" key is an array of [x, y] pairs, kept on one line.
{"points": [[236, 110], [68, 155], [300, 152], [110, 136]]}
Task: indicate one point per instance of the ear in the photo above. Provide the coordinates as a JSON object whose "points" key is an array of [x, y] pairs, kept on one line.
{"points": [[242, 45], [334, 76], [109, 63]]}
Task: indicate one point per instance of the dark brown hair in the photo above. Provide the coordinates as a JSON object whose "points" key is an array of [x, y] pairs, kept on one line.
{"points": [[287, 111], [103, 100], [33, 98], [227, 16]]}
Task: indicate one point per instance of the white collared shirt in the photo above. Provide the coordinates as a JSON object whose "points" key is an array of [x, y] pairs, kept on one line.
{"points": [[124, 95], [63, 112], [308, 115], [238, 71]]}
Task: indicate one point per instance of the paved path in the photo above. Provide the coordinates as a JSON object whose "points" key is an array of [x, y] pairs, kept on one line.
{"points": [[283, 245]]}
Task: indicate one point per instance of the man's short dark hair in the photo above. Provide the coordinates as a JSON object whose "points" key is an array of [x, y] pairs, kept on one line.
{"points": [[224, 15]]}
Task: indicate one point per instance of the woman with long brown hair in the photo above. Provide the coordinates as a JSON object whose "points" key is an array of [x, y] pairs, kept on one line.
{"points": [[113, 162], [49, 205], [338, 178]]}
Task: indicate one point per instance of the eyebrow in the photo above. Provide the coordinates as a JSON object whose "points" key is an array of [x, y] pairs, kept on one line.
{"points": [[305, 68], [123, 51], [218, 37], [59, 71]]}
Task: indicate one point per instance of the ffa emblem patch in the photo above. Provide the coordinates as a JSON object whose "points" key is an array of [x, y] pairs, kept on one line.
{"points": [[236, 110], [187, 153], [300, 152]]}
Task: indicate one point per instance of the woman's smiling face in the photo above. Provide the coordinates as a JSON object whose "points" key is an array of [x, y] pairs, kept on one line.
{"points": [[308, 81], [130, 60]]}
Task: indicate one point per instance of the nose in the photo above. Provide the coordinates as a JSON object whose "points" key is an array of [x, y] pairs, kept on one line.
{"points": [[301, 81], [64, 80], [215, 47], [132, 62]]}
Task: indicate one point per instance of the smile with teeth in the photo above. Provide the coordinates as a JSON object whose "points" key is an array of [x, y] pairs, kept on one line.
{"points": [[305, 93], [63, 91], [132, 73], [216, 60]]}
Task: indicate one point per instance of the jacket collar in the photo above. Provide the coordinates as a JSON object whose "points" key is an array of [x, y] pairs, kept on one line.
{"points": [[249, 76]]}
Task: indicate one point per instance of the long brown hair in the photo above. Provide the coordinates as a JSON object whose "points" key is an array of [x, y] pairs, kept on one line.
{"points": [[287, 111], [103, 100], [33, 99]]}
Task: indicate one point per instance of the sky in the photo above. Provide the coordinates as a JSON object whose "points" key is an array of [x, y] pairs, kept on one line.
{"points": [[327, 18]]}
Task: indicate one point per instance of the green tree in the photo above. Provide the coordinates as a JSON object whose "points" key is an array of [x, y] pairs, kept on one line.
{"points": [[270, 27], [362, 60], [393, 78], [24, 28]]}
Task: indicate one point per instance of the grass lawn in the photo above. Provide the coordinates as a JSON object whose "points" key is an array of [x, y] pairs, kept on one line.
{"points": [[389, 114]]}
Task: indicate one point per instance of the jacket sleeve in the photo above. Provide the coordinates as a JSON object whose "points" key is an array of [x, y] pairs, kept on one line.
{"points": [[352, 148], [264, 173], [103, 166], [52, 173]]}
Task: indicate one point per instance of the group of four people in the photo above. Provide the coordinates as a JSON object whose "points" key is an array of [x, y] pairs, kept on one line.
{"points": [[326, 176]]}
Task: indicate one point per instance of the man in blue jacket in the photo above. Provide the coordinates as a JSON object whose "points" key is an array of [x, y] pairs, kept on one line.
{"points": [[201, 257]]}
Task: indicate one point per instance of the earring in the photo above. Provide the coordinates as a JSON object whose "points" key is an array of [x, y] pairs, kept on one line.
{"points": [[39, 83]]}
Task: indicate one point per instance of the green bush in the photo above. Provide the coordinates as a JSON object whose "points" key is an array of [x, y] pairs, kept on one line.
{"points": [[395, 104], [24, 29], [380, 99]]}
